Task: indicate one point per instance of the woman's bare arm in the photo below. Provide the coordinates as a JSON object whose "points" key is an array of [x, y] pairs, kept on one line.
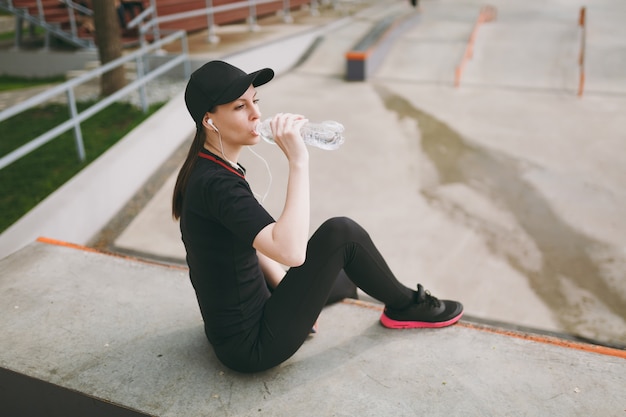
{"points": [[285, 240], [272, 270]]}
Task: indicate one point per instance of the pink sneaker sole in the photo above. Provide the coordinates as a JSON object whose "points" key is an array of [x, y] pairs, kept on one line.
{"points": [[393, 324]]}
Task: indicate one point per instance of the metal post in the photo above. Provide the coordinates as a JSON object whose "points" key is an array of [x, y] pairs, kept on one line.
{"points": [[252, 25], [210, 16], [287, 18], [581, 56], [78, 134], [314, 8], [185, 50], [40, 11], [142, 89], [156, 30], [19, 31], [142, 36], [72, 16], [46, 45]]}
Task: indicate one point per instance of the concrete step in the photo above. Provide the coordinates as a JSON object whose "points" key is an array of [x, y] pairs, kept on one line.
{"points": [[85, 333], [130, 69], [7, 24]]}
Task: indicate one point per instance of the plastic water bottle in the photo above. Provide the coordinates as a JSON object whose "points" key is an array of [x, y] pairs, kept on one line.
{"points": [[325, 135]]}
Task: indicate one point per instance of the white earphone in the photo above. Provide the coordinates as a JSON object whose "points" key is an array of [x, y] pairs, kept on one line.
{"points": [[210, 122]]}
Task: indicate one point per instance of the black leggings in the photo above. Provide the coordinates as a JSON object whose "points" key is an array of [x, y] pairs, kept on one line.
{"points": [[289, 314]]}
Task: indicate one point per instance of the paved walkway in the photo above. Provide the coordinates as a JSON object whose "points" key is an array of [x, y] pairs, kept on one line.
{"points": [[490, 169], [506, 193], [507, 188]]}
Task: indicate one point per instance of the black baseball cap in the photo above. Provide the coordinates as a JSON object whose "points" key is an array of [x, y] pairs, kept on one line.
{"points": [[218, 82]]}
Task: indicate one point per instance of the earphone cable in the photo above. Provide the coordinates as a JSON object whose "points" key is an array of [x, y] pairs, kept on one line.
{"points": [[236, 166], [269, 173]]}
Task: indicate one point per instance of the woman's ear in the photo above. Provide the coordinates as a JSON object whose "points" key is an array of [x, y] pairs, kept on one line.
{"points": [[208, 122]]}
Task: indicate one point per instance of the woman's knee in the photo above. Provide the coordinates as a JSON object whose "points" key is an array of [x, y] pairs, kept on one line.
{"points": [[343, 228]]}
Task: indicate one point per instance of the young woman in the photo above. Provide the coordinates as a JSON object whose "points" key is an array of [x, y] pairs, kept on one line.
{"points": [[236, 250]]}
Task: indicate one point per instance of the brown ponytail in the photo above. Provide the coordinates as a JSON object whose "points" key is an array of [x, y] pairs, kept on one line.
{"points": [[185, 171]]}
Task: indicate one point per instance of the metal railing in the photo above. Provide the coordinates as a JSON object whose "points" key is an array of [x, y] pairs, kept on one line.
{"points": [[71, 12], [582, 22], [39, 19], [209, 11], [68, 87], [138, 21]]}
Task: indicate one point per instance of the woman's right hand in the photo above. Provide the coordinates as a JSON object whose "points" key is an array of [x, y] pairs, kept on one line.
{"points": [[286, 130]]}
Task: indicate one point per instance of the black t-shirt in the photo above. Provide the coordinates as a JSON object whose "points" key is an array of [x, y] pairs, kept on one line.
{"points": [[219, 220]]}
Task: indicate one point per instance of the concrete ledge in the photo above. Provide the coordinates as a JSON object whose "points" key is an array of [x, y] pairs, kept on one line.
{"points": [[115, 331], [25, 63], [366, 56]]}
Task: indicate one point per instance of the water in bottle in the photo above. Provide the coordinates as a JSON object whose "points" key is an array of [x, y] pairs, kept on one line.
{"points": [[325, 135]]}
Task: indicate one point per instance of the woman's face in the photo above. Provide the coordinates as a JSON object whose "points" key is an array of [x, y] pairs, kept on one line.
{"points": [[236, 121]]}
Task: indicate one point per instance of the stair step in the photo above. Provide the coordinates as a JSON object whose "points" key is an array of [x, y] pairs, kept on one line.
{"points": [[92, 65], [130, 68]]}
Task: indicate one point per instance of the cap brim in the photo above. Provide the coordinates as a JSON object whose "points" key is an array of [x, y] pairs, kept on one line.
{"points": [[238, 87]]}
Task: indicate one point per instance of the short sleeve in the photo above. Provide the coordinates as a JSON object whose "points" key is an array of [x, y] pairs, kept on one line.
{"points": [[230, 200]]}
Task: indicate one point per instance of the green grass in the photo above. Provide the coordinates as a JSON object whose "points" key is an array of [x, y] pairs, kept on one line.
{"points": [[29, 180], [5, 36], [8, 82]]}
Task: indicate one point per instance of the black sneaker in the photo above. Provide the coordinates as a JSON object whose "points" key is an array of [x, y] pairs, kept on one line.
{"points": [[427, 312]]}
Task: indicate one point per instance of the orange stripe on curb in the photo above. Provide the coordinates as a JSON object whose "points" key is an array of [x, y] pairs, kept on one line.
{"points": [[550, 340], [51, 241], [56, 242]]}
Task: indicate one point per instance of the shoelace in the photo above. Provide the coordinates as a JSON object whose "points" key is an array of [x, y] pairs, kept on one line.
{"points": [[424, 296]]}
